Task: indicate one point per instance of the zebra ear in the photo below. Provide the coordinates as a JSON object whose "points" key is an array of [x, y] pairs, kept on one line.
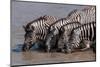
{"points": [[45, 16]]}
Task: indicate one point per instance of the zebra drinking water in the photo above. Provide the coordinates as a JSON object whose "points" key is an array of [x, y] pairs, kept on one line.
{"points": [[36, 31], [65, 35], [74, 16], [53, 36], [86, 33]]}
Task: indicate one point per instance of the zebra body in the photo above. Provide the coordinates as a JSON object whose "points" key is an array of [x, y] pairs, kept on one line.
{"points": [[83, 16], [54, 32], [55, 27], [65, 35], [86, 32], [37, 30], [89, 14], [74, 16]]}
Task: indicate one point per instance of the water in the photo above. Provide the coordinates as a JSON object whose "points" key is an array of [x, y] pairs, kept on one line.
{"points": [[24, 12]]}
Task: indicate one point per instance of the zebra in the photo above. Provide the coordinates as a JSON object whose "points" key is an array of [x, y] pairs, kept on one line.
{"points": [[54, 31], [89, 14], [85, 33], [83, 16], [74, 16], [55, 27], [36, 31], [65, 35]]}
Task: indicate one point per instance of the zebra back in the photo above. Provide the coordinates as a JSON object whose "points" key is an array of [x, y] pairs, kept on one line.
{"points": [[88, 15], [84, 32], [28, 26], [58, 24], [83, 16], [41, 26]]}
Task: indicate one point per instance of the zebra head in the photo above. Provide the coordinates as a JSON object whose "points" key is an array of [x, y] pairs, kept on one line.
{"points": [[28, 38], [68, 47], [48, 42], [51, 39], [73, 41], [63, 38]]}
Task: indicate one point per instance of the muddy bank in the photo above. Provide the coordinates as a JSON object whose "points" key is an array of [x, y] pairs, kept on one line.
{"points": [[35, 57]]}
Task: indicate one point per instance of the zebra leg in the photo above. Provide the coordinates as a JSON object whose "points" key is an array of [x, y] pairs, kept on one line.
{"points": [[87, 45], [63, 50], [48, 47], [68, 48], [68, 51]]}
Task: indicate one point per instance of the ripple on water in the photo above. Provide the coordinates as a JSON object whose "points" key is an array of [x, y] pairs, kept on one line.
{"points": [[18, 48]]}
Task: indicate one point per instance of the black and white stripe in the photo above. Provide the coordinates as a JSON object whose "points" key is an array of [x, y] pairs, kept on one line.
{"points": [[83, 16], [39, 28], [54, 29], [74, 16], [65, 35], [86, 32]]}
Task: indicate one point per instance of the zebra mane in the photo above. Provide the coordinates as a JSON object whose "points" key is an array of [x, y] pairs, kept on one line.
{"points": [[89, 7], [73, 11], [58, 21], [40, 18], [70, 23]]}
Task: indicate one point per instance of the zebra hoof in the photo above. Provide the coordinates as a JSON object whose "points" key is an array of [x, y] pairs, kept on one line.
{"points": [[68, 51]]}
